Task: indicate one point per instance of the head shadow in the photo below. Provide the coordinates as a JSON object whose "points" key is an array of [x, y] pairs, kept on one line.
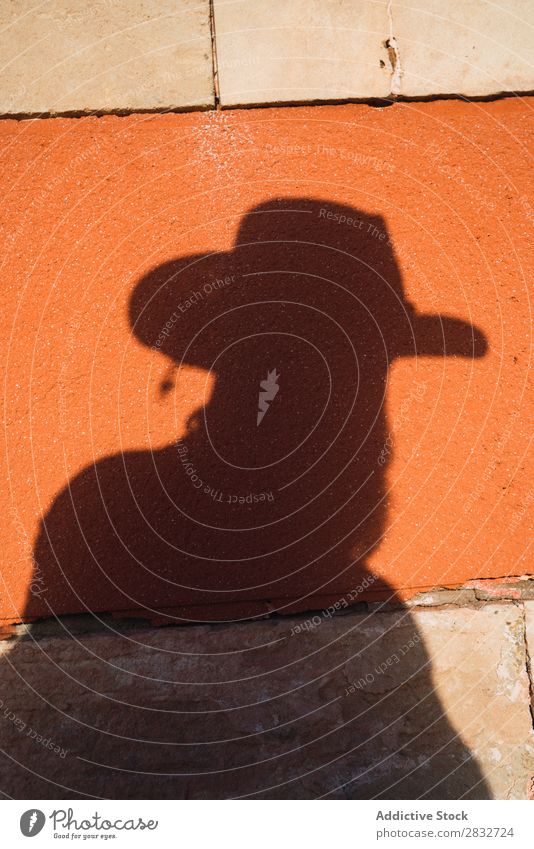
{"points": [[286, 460], [277, 493]]}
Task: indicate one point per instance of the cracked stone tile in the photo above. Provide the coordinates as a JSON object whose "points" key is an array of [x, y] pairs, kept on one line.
{"points": [[405, 704], [280, 52], [70, 56]]}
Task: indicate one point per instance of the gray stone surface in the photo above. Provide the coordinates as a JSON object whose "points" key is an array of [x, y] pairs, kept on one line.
{"points": [[429, 703], [73, 56]]}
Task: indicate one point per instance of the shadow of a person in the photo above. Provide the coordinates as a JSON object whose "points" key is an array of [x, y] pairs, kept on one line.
{"points": [[277, 493]]}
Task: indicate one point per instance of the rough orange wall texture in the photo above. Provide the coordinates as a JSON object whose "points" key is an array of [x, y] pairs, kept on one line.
{"points": [[97, 216]]}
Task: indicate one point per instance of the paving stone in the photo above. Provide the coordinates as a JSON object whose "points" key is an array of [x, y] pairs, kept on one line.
{"points": [[71, 56], [431, 704], [280, 52], [67, 57], [485, 652], [474, 49]]}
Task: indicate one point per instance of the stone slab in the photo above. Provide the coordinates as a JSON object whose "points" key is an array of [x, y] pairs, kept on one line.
{"points": [[71, 56], [292, 52], [403, 705], [275, 52], [432, 475], [474, 49]]}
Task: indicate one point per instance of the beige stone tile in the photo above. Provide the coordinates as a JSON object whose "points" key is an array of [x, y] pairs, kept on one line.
{"points": [[271, 52], [479, 667], [275, 52], [470, 48], [70, 55]]}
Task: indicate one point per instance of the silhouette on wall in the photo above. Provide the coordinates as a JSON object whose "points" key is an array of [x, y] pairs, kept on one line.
{"points": [[277, 493], [286, 508]]}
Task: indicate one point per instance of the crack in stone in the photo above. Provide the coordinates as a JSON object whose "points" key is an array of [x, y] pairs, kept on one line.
{"points": [[528, 665], [392, 48], [214, 61]]}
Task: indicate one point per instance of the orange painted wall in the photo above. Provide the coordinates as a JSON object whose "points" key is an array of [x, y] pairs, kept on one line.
{"points": [[91, 206]]}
